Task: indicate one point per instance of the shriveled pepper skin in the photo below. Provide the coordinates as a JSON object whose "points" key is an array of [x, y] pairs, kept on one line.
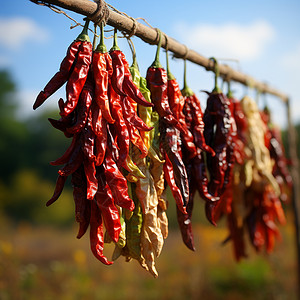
{"points": [[177, 101], [131, 116], [78, 77], [122, 81], [61, 77], [120, 127], [194, 105], [157, 83], [117, 183], [118, 68], [169, 144], [83, 107], [185, 220], [82, 204], [101, 67], [217, 115], [96, 234], [106, 204], [67, 155]]}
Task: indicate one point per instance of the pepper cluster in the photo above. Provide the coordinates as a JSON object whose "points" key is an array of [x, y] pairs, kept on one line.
{"points": [[258, 182], [132, 137]]}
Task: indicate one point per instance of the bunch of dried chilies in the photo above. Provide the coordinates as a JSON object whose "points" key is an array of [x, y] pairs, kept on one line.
{"points": [[133, 136]]}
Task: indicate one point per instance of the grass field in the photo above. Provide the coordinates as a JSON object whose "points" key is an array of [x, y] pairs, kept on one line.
{"points": [[50, 263]]}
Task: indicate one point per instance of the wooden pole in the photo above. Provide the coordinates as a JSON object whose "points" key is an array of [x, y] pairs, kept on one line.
{"points": [[292, 145], [150, 35]]}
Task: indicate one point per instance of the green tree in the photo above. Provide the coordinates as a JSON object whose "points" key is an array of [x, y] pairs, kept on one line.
{"points": [[26, 147]]}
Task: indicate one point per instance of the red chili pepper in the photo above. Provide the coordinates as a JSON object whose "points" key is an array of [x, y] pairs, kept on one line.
{"points": [[136, 138], [117, 182], [61, 77], [78, 77], [169, 144], [96, 234], [73, 70], [74, 163], [198, 124], [130, 114], [199, 173], [60, 183], [176, 101], [106, 204], [101, 66], [236, 236], [169, 177], [216, 131], [88, 142], [119, 126], [157, 82], [194, 123], [99, 127], [83, 107], [276, 149], [82, 205], [67, 155], [91, 180], [185, 220], [64, 122], [121, 79], [112, 145]]}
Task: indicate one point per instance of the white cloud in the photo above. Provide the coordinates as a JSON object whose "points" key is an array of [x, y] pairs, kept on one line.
{"points": [[15, 32], [230, 40]]}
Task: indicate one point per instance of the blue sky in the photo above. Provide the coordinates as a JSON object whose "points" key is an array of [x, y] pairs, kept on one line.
{"points": [[263, 35]]}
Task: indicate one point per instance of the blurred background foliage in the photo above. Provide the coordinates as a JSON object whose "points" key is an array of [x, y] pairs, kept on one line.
{"points": [[26, 148], [41, 258]]}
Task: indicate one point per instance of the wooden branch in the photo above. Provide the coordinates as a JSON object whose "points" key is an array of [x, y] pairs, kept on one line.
{"points": [[150, 35]]}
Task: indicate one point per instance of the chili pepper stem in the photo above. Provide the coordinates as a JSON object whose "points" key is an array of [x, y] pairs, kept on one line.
{"points": [[156, 63], [229, 92], [134, 61], [186, 91], [170, 75], [217, 73], [101, 46], [115, 45], [83, 36]]}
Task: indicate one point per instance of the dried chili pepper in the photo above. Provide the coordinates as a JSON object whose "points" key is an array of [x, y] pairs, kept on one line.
{"points": [[96, 234], [121, 134], [83, 107], [78, 76], [177, 101], [216, 132], [194, 122], [101, 66], [275, 146], [157, 82], [121, 78], [180, 175], [106, 204], [64, 122], [73, 70], [185, 220], [82, 204], [117, 182]]}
